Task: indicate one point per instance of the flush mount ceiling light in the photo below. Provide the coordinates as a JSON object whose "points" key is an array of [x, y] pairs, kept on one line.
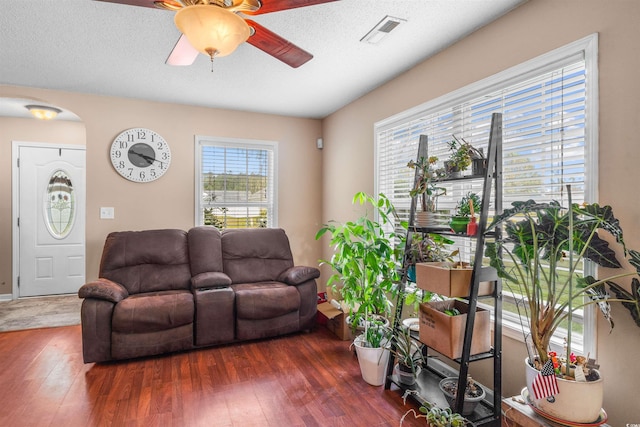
{"points": [[382, 29], [212, 30], [43, 112]]}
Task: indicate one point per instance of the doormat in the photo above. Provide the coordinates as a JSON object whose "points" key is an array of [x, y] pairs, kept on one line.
{"points": [[40, 312]]}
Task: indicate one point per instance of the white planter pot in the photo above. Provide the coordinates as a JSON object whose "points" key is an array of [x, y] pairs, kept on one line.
{"points": [[373, 362], [578, 402]]}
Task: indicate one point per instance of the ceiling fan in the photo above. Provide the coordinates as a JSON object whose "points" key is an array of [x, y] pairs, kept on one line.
{"points": [[216, 28]]}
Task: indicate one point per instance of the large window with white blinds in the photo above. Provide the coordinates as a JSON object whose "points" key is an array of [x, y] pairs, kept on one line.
{"points": [[235, 183], [549, 108]]}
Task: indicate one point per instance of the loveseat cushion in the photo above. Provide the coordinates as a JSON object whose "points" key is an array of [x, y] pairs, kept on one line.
{"points": [[265, 300], [205, 249], [153, 311], [147, 261]]}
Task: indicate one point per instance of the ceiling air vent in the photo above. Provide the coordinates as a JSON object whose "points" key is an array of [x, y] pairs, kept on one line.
{"points": [[382, 29]]}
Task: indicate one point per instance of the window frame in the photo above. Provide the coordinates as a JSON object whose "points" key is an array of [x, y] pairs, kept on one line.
{"points": [[587, 47], [241, 143]]}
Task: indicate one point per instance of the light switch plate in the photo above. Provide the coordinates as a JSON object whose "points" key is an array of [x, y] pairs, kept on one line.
{"points": [[107, 213]]}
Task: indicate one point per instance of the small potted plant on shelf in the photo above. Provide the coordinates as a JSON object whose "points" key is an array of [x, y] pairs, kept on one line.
{"points": [[425, 187], [365, 263], [408, 356], [539, 257], [466, 208], [428, 247], [462, 156], [473, 393]]}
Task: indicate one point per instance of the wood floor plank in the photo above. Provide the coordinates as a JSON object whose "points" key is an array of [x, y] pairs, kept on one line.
{"points": [[306, 379]]}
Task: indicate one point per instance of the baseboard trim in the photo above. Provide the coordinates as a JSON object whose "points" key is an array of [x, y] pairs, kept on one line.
{"points": [[6, 297]]}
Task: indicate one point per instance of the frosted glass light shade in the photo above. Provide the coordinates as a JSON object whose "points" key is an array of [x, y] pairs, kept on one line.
{"points": [[43, 112], [212, 30]]}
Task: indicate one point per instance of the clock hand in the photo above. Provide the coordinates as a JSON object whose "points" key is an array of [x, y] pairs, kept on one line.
{"points": [[149, 159]]}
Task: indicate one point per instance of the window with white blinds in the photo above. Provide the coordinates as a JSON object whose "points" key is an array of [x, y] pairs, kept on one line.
{"points": [[549, 108], [236, 183]]}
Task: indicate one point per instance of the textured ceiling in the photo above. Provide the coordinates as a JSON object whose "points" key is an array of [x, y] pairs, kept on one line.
{"points": [[119, 50]]}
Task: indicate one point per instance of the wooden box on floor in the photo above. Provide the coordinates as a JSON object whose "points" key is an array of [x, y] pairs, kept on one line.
{"points": [[445, 333]]}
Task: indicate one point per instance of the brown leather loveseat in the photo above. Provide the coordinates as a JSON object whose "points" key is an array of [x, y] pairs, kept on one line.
{"points": [[162, 291]]}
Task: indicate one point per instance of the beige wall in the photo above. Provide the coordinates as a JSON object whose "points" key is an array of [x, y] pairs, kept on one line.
{"points": [[169, 201], [537, 27], [316, 186]]}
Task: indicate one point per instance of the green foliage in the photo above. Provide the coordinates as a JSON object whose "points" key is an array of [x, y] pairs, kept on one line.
{"points": [[437, 417], [365, 259], [463, 208], [462, 153], [424, 185], [426, 247], [537, 238], [234, 182], [406, 352]]}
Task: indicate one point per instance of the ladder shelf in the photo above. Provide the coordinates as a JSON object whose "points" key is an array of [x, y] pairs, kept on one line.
{"points": [[426, 391]]}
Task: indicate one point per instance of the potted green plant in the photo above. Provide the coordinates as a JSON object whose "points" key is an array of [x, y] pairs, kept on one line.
{"points": [[408, 356], [425, 187], [366, 263], [428, 247], [461, 157], [473, 393], [539, 256], [466, 207]]}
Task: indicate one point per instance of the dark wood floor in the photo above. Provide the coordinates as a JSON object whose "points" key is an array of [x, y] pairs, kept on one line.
{"points": [[307, 379]]}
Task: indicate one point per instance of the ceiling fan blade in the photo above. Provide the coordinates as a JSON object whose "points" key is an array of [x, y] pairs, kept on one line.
{"points": [[276, 46], [183, 53], [277, 5], [141, 3]]}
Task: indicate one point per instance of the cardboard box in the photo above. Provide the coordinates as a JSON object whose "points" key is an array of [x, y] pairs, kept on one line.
{"points": [[335, 320], [445, 334], [444, 278]]}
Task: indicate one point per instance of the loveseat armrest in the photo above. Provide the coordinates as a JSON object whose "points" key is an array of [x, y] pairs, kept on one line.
{"points": [[103, 289], [298, 274], [210, 279]]}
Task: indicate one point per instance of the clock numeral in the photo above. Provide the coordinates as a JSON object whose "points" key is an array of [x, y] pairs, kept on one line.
{"points": [[152, 172], [117, 154], [142, 175], [124, 144], [121, 165], [159, 146], [165, 155], [130, 171], [142, 134]]}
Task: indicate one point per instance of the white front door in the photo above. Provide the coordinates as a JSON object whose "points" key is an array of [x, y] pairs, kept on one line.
{"points": [[51, 219]]}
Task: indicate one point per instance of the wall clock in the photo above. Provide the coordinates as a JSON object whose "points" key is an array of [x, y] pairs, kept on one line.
{"points": [[140, 155]]}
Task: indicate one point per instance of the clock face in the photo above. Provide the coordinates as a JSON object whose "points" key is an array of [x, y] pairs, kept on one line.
{"points": [[140, 155]]}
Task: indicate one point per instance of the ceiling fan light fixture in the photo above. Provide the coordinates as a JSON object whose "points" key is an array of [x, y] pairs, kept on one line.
{"points": [[43, 112], [211, 29]]}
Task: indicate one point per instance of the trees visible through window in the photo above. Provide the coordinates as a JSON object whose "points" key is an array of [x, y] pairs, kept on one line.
{"points": [[236, 183]]}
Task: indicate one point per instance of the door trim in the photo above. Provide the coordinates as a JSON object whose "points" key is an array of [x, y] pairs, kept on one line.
{"points": [[15, 200]]}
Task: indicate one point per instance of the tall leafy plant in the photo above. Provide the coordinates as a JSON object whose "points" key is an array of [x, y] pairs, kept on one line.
{"points": [[541, 240], [366, 258]]}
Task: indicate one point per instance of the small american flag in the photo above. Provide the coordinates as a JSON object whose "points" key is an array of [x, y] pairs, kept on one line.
{"points": [[545, 383]]}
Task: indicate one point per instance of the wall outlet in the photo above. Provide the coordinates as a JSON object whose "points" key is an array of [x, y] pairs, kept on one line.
{"points": [[107, 213]]}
